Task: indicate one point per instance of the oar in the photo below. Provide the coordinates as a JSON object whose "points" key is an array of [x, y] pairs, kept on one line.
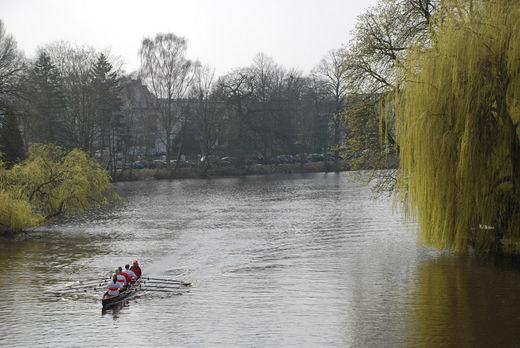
{"points": [[160, 287], [79, 290], [166, 291], [78, 283], [79, 286], [67, 292], [163, 280], [165, 284], [172, 281], [94, 280], [89, 283]]}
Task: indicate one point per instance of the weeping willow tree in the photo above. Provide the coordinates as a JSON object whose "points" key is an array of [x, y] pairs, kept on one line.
{"points": [[457, 129], [50, 182], [369, 146]]}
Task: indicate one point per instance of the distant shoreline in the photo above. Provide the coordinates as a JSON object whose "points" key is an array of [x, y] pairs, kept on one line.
{"points": [[228, 171]]}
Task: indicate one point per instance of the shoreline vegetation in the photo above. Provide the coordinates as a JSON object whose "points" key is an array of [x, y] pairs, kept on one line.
{"points": [[50, 182], [53, 181], [227, 171]]}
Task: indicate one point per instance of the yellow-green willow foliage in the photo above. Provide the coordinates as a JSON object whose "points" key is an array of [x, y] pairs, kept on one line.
{"points": [[15, 214], [363, 142], [457, 129], [48, 183], [368, 147]]}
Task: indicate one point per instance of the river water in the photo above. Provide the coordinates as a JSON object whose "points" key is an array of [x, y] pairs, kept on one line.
{"points": [[286, 260]]}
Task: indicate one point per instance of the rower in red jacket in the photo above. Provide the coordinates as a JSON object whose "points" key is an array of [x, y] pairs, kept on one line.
{"points": [[127, 276], [136, 269]]}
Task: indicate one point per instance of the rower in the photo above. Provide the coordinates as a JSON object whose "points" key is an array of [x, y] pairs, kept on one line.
{"points": [[121, 279], [127, 271], [128, 278], [114, 286], [136, 269]]}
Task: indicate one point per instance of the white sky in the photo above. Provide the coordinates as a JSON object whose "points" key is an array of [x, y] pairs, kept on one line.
{"points": [[224, 34]]}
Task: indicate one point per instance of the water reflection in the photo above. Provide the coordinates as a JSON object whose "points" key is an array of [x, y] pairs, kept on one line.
{"points": [[44, 261], [115, 310], [462, 301]]}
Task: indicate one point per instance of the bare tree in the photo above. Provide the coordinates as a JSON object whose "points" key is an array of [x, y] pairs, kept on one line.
{"points": [[331, 72], [237, 88], [270, 111], [206, 111], [295, 85], [168, 73], [11, 65], [74, 64], [381, 38]]}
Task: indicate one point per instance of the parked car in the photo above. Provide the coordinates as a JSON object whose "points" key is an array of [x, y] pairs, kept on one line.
{"points": [[285, 159], [354, 155], [228, 160], [159, 164], [315, 157], [140, 164], [188, 164], [210, 159], [331, 157]]}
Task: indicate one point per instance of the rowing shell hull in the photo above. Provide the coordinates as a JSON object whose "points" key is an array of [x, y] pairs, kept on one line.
{"points": [[110, 300]]}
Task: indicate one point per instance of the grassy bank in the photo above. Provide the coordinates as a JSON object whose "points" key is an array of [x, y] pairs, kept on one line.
{"points": [[227, 171]]}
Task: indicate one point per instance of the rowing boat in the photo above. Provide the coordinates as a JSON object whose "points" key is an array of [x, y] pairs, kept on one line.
{"points": [[110, 300]]}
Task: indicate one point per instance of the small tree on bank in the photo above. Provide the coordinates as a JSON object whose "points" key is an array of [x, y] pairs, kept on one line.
{"points": [[458, 129], [50, 182]]}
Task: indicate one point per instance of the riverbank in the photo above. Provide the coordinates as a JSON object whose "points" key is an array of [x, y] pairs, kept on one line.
{"points": [[228, 171]]}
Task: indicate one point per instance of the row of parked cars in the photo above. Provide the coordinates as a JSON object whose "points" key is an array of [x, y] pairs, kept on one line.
{"points": [[229, 160], [312, 157], [162, 164]]}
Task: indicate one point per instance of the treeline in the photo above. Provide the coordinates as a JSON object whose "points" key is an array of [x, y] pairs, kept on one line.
{"points": [[67, 96], [172, 109]]}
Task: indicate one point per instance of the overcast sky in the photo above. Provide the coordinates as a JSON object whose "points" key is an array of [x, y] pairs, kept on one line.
{"points": [[224, 34]]}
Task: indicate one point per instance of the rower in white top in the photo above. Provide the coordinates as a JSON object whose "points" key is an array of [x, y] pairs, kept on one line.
{"points": [[121, 279], [129, 272], [114, 286]]}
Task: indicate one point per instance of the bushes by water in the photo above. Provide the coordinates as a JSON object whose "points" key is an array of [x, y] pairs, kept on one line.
{"points": [[50, 182]]}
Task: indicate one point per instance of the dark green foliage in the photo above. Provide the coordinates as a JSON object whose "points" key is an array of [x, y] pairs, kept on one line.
{"points": [[105, 85], [107, 105], [45, 93], [11, 143]]}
